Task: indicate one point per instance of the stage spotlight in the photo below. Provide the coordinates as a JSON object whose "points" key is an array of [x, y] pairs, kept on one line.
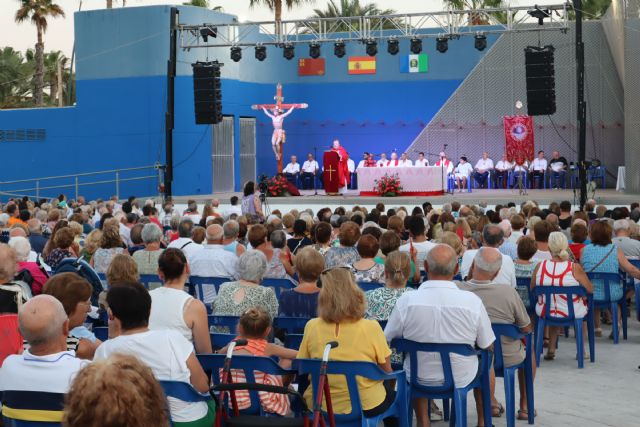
{"points": [[288, 51], [442, 44], [539, 14], [393, 47], [339, 49], [480, 42], [208, 31], [372, 47], [416, 45], [314, 50], [261, 53], [236, 53]]}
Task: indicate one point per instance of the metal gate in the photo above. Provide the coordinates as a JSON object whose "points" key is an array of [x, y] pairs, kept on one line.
{"points": [[222, 156], [247, 149]]}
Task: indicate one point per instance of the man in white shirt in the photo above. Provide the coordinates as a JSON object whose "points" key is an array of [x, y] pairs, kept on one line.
{"points": [[405, 161], [502, 170], [383, 161], [438, 312], [292, 170], [394, 162], [421, 160], [35, 382], [234, 208], [462, 173], [184, 241], [538, 167], [213, 261], [483, 169], [351, 167], [492, 237], [444, 162], [309, 170], [418, 240], [362, 163]]}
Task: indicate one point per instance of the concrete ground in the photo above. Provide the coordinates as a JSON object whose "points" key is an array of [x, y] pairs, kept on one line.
{"points": [[604, 393]]}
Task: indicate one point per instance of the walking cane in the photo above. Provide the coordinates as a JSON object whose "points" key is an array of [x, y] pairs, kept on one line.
{"points": [[225, 378], [323, 387]]}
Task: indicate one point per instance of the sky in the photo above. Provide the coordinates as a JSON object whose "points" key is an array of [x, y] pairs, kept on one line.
{"points": [[59, 35]]}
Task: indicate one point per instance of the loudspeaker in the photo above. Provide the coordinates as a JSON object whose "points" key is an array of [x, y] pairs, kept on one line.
{"points": [[541, 81], [207, 92]]}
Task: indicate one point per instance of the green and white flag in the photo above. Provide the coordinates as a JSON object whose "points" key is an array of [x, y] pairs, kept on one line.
{"points": [[414, 63]]}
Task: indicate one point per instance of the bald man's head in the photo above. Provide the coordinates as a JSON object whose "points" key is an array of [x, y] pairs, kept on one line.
{"points": [[215, 233], [8, 263], [17, 231], [486, 264], [441, 262], [44, 324]]}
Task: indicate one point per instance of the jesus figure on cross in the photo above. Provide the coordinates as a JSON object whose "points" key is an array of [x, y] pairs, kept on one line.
{"points": [[277, 119]]}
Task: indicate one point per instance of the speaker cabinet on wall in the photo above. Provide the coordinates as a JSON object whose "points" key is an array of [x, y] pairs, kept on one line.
{"points": [[541, 80], [207, 92]]}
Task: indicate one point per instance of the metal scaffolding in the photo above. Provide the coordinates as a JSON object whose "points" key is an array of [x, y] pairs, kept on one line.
{"points": [[447, 24]]}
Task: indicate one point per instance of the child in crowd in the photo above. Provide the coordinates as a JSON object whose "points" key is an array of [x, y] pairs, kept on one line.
{"points": [[255, 327]]}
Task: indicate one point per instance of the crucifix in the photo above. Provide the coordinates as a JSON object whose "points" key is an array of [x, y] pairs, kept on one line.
{"points": [[277, 119]]}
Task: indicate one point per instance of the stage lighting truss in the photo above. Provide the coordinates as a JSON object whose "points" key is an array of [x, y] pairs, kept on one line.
{"points": [[480, 41], [448, 23], [372, 47], [261, 53], [314, 50], [339, 49], [288, 51], [415, 45], [393, 46]]}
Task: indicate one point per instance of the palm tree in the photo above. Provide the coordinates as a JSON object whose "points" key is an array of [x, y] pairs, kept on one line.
{"points": [[109, 4], [592, 9], [14, 78], [477, 18], [276, 5], [52, 62], [198, 3], [38, 11], [352, 8]]}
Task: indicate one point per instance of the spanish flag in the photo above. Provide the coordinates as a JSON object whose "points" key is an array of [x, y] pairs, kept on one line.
{"points": [[362, 65]]}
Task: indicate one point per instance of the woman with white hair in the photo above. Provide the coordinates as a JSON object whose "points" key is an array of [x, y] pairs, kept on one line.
{"points": [[559, 271], [22, 248], [236, 297], [147, 259]]}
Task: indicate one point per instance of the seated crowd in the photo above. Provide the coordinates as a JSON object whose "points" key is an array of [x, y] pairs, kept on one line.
{"points": [[432, 275]]}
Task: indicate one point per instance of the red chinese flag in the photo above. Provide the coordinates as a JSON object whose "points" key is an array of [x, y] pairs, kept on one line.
{"points": [[311, 67], [518, 134]]}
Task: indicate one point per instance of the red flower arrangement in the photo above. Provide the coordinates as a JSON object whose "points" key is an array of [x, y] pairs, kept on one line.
{"points": [[388, 185], [277, 186]]}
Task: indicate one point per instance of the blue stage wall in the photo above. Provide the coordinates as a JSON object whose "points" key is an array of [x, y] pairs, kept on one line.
{"points": [[121, 85]]}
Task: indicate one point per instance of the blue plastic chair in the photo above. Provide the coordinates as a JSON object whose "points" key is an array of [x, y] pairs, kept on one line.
{"points": [[632, 286], [229, 322], [598, 173], [278, 285], [548, 320], [558, 177], [490, 179], [220, 340], [509, 374], [350, 371], [451, 182], [49, 405], [213, 363], [183, 391], [608, 279], [293, 327], [101, 332], [196, 282], [150, 281], [536, 178], [448, 390], [370, 286]]}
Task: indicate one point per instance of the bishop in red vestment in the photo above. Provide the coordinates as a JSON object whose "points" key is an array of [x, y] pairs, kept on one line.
{"points": [[343, 171]]}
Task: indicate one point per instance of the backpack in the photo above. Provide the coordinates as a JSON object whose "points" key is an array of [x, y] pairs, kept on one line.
{"points": [[13, 295], [84, 270]]}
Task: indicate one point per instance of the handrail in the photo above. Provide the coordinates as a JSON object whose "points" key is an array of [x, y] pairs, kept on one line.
{"points": [[155, 166], [75, 183]]}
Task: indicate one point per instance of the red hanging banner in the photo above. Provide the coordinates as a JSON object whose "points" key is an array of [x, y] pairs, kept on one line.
{"points": [[518, 135]]}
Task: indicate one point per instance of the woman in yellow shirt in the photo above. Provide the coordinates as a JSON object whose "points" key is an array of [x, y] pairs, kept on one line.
{"points": [[341, 307]]}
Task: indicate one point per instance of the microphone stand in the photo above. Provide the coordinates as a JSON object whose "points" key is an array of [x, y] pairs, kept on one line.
{"points": [[315, 158]]}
